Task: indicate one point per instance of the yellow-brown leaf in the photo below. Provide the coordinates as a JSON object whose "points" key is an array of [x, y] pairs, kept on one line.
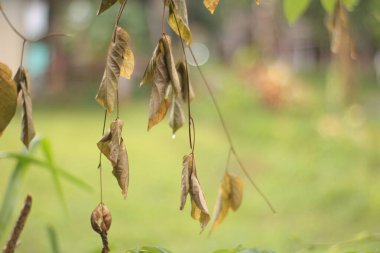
{"points": [[211, 5], [187, 168], [178, 19], [199, 210], [236, 194], [183, 79], [121, 169], [8, 97], [109, 145], [106, 4]]}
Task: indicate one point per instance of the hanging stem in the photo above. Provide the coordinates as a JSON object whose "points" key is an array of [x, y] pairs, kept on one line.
{"points": [[100, 161], [118, 19], [228, 160], [11, 25], [187, 80], [163, 19], [227, 133]]}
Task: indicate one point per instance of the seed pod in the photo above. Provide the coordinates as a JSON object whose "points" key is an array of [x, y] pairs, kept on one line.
{"points": [[101, 219]]}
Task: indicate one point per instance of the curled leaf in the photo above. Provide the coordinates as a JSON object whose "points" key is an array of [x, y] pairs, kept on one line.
{"points": [[8, 97], [229, 196], [211, 5], [177, 117], [187, 169], [178, 19], [101, 222], [27, 126], [190, 184], [106, 4], [109, 145], [184, 80], [121, 169], [162, 69], [120, 61]]}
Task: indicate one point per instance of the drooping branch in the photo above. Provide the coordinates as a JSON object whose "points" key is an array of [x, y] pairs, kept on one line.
{"points": [[12, 243], [227, 133]]}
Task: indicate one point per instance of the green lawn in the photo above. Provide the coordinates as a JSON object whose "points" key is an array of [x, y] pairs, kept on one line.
{"points": [[325, 187]]}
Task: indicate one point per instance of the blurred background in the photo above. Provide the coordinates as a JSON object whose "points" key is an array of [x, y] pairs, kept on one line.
{"points": [[302, 102]]}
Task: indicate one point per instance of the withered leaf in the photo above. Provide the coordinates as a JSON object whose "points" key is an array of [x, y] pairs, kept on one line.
{"points": [[149, 71], [8, 97], [121, 169], [177, 117], [229, 196], [165, 77], [178, 19], [27, 126], [187, 169], [211, 5], [101, 219], [120, 61], [109, 145], [183, 79], [106, 4]]}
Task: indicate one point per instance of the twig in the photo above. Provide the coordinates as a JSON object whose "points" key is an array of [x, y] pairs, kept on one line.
{"points": [[100, 160], [227, 133], [10, 24], [11, 245]]}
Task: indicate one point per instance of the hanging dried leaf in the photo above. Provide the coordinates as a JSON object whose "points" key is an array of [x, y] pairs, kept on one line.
{"points": [[177, 117], [165, 76], [121, 170], [149, 71], [101, 222], [109, 145], [187, 169], [106, 4], [183, 79], [199, 215], [178, 19], [8, 97], [211, 5], [229, 196], [101, 219], [27, 126], [119, 62]]}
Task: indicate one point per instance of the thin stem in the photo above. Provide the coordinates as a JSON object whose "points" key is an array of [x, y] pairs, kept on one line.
{"points": [[11, 244], [100, 160], [193, 125], [227, 133], [11, 25], [118, 19], [228, 160], [22, 53], [162, 20], [187, 77], [51, 35]]}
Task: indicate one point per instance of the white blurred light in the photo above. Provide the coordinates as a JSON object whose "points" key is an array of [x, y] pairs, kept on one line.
{"points": [[36, 19], [79, 13], [201, 54]]}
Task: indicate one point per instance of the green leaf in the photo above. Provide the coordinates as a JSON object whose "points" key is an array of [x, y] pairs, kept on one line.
{"points": [[294, 9], [328, 5], [223, 251], [8, 97], [149, 249], [53, 239]]}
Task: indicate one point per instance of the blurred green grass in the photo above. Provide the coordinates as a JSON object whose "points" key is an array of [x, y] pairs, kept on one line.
{"points": [[325, 188]]}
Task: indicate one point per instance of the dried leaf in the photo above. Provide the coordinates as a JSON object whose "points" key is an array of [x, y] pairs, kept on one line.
{"points": [[211, 5], [199, 210], [106, 4], [177, 117], [165, 41], [8, 97], [119, 62], [27, 126], [183, 79], [121, 170], [109, 145], [149, 71], [178, 19], [101, 219], [187, 169], [229, 196]]}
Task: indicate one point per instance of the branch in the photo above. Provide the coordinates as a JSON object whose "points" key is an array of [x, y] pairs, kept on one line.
{"points": [[10, 24], [11, 245], [227, 133]]}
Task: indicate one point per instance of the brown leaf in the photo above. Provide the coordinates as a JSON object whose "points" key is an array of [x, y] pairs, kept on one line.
{"points": [[229, 196], [121, 170], [187, 169], [170, 65], [211, 5], [199, 210], [177, 117], [109, 145], [27, 126], [149, 71], [183, 79], [106, 4], [119, 62], [8, 97], [178, 19], [101, 219]]}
